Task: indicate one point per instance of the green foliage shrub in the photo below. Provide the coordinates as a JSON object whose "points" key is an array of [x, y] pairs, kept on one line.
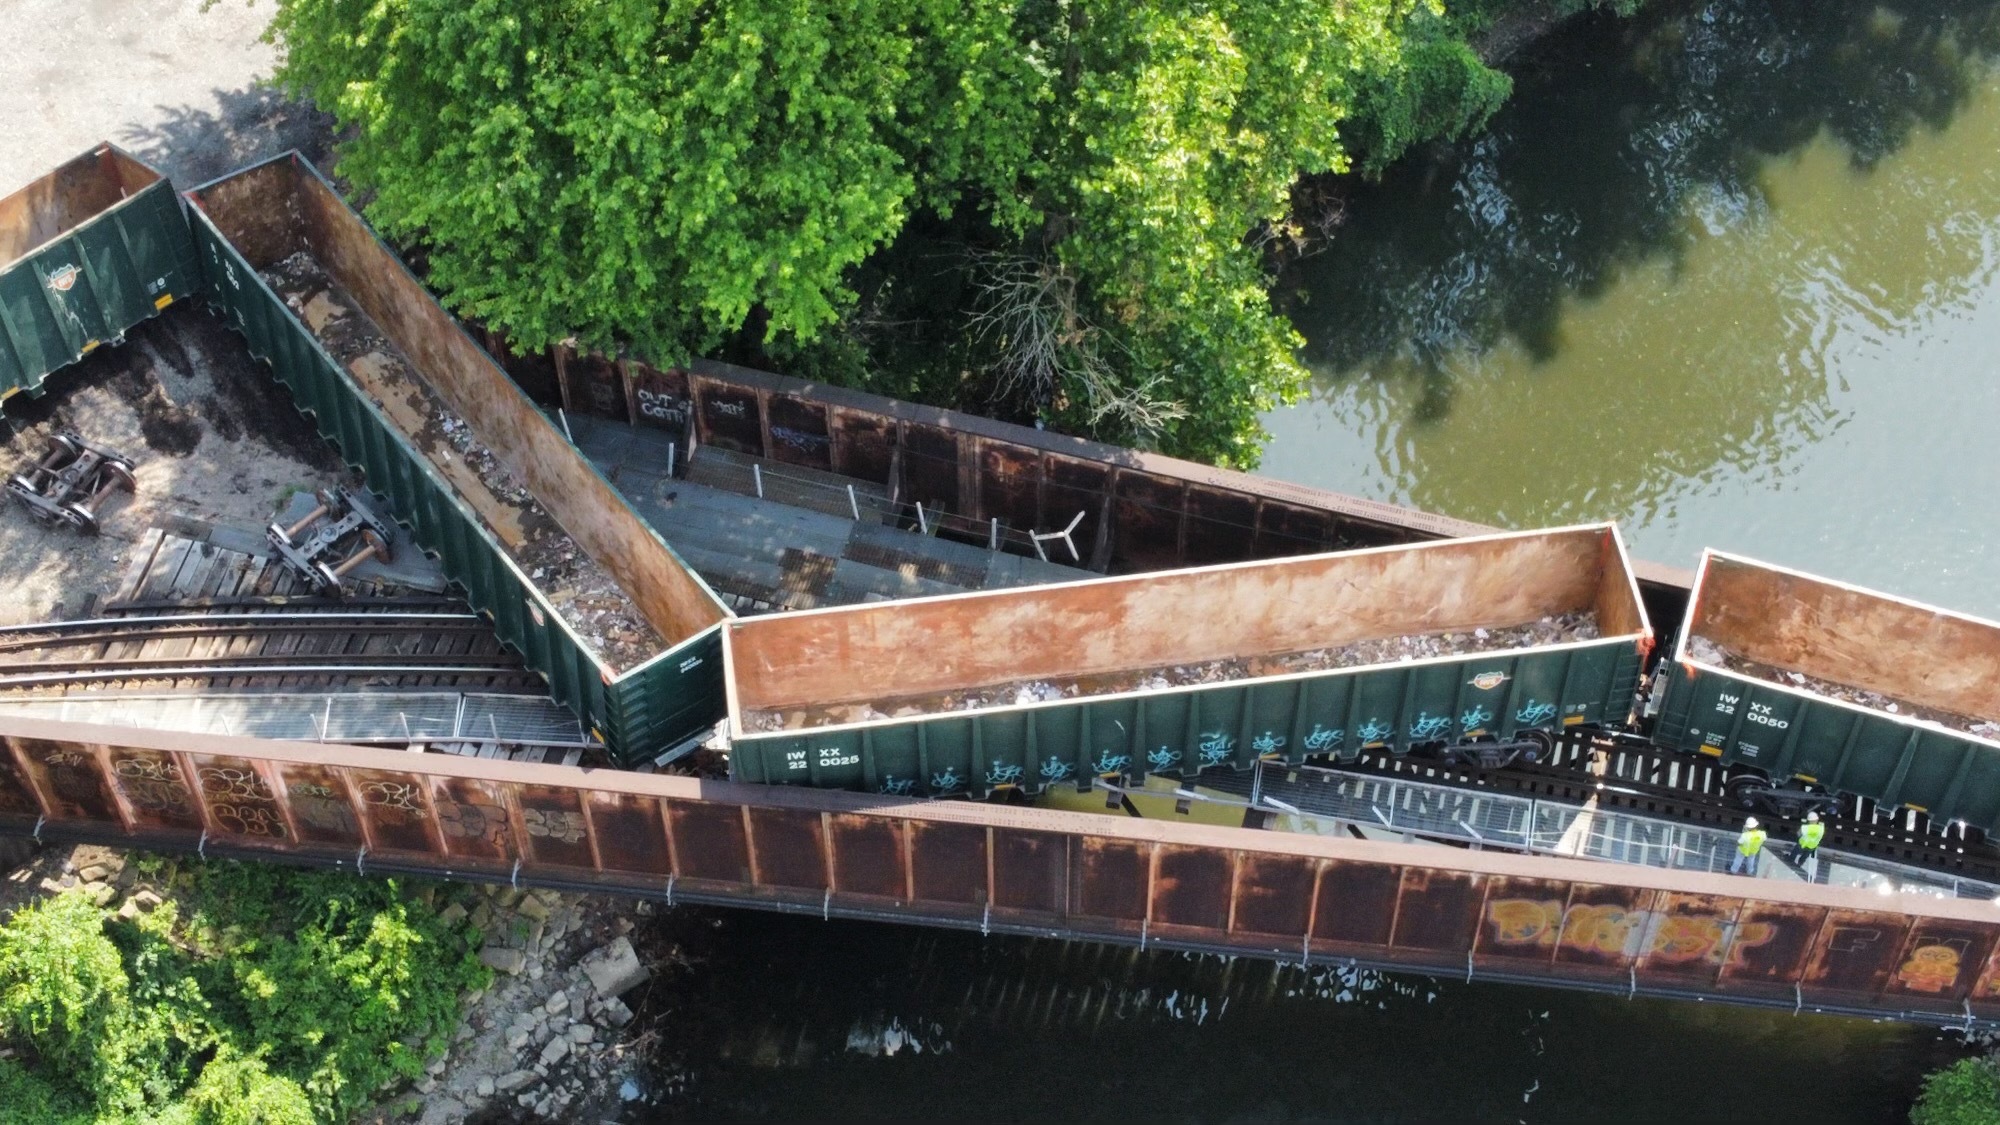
{"points": [[284, 997], [676, 177], [1964, 1093]]}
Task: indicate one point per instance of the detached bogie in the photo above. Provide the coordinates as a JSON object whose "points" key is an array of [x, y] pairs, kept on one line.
{"points": [[71, 482]]}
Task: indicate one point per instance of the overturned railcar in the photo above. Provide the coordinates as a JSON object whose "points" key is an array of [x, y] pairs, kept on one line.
{"points": [[1858, 692], [1182, 671], [89, 250], [591, 595]]}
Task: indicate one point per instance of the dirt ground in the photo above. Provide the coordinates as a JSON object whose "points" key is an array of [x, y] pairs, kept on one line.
{"points": [[214, 437], [181, 88]]}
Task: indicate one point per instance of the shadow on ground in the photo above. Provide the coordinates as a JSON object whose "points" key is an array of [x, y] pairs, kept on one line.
{"points": [[193, 146]]}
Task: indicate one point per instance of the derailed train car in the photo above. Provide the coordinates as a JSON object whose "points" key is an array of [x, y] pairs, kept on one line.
{"points": [[1805, 679], [1493, 640], [508, 505], [89, 250]]}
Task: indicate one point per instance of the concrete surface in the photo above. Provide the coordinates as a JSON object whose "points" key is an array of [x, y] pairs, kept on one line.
{"points": [[183, 89]]}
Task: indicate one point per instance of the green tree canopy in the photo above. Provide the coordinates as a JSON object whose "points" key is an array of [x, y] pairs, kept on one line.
{"points": [[669, 175]]}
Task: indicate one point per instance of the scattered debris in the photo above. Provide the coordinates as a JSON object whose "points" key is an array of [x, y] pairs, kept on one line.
{"points": [[577, 585], [1558, 629], [1708, 652]]}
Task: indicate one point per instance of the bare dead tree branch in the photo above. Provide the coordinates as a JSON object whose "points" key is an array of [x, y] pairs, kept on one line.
{"points": [[1046, 349]]}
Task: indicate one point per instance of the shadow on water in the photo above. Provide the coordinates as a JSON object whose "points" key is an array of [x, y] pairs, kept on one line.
{"points": [[1618, 132], [787, 1018]]}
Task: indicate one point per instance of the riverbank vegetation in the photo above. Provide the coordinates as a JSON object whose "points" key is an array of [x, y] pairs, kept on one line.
{"points": [[1060, 210], [245, 995], [1964, 1093]]}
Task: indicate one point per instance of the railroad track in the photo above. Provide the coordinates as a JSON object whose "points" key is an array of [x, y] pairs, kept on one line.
{"points": [[249, 643], [1630, 776]]}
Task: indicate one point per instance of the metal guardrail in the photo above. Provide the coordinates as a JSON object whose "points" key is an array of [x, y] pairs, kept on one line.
{"points": [[1531, 824], [395, 717]]}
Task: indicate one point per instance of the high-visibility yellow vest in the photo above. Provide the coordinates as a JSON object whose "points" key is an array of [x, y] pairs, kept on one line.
{"points": [[1752, 841], [1811, 834]]}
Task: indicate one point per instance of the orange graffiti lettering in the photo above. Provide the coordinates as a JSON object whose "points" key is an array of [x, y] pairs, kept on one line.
{"points": [[1931, 968], [1683, 938], [1600, 929], [1517, 921]]}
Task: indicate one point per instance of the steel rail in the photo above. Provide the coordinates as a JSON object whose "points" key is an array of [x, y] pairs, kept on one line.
{"points": [[421, 627], [305, 601], [39, 627], [227, 671]]}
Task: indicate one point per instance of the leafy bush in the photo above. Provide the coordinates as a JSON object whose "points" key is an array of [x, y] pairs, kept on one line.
{"points": [[685, 178], [1964, 1093], [285, 997]]}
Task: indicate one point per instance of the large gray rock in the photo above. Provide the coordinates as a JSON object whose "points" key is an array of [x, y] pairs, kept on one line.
{"points": [[516, 1080], [509, 961], [615, 969], [555, 1050]]}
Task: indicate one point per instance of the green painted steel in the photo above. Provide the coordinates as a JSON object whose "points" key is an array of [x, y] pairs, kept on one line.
{"points": [[639, 714], [1787, 732], [94, 282], [1185, 731]]}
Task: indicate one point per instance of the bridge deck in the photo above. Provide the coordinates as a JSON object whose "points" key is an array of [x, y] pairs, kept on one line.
{"points": [[765, 554]]}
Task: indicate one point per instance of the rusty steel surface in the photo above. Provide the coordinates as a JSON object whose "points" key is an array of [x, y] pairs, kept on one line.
{"points": [[1849, 635], [1526, 918], [1141, 511], [1118, 625], [72, 194], [270, 210]]}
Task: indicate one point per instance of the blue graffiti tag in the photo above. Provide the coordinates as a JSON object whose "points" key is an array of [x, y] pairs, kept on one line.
{"points": [[1163, 758], [1107, 762], [1268, 744], [1475, 716], [1534, 712], [1213, 749], [947, 781], [1055, 769], [1374, 730], [1429, 726], [899, 786], [1002, 773], [1322, 739]]}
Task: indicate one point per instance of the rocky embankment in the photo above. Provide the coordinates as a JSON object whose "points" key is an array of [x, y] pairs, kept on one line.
{"points": [[549, 1040], [552, 1039]]}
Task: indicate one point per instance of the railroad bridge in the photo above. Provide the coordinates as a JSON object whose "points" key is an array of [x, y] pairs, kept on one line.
{"points": [[533, 684]]}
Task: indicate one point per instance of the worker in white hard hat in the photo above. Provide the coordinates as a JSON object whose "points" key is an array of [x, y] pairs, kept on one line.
{"points": [[1749, 848], [1810, 834]]}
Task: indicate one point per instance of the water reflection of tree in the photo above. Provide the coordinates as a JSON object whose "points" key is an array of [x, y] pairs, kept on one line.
{"points": [[1618, 129]]}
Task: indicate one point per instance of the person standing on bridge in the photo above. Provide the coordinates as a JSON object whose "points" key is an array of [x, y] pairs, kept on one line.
{"points": [[1810, 834], [1749, 849]]}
